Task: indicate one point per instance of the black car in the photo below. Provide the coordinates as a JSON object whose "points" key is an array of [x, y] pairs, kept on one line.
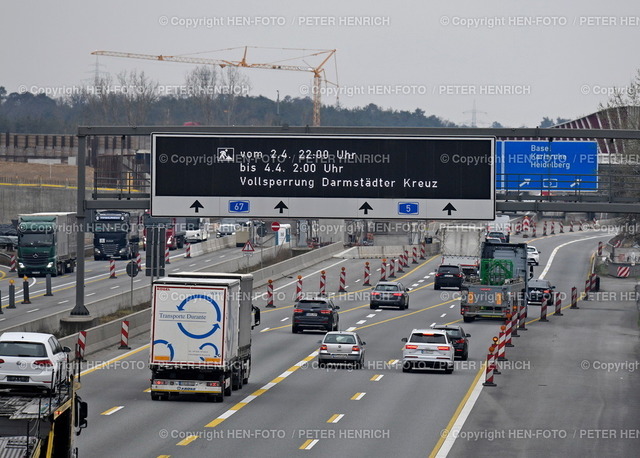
{"points": [[318, 313], [448, 276], [459, 339], [539, 290], [391, 293]]}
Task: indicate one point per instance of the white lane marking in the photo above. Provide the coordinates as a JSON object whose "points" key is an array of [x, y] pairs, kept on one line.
{"points": [[284, 319], [63, 302], [433, 324], [194, 264], [371, 315], [377, 378], [414, 285], [443, 315], [2, 319], [89, 294], [555, 250], [222, 255], [136, 281], [452, 306], [115, 287], [420, 281], [357, 280], [457, 426], [265, 329], [311, 444], [338, 418], [112, 411], [358, 397], [31, 311], [352, 328], [361, 322]]}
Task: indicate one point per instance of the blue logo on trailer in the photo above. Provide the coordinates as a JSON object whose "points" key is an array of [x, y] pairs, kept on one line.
{"points": [[558, 165]]}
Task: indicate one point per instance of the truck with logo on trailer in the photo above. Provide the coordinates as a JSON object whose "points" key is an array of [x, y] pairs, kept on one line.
{"points": [[47, 243], [502, 283], [115, 235], [201, 334], [461, 245]]}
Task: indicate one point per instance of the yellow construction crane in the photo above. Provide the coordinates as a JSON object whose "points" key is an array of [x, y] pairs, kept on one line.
{"points": [[318, 70]]}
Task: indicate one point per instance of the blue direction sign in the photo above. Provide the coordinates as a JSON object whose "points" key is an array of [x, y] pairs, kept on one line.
{"points": [[559, 165]]}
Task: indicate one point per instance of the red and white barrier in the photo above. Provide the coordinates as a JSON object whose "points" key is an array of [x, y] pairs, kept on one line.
{"points": [[508, 331], [526, 226], [502, 352], [623, 272], [558, 311], [112, 268], [367, 274], [587, 288], [553, 227], [270, 294], [522, 316], [571, 226], [124, 336], [491, 363], [415, 255], [514, 322], [299, 289], [383, 270], [592, 283], [13, 263], [343, 280], [561, 227], [599, 248], [323, 283], [535, 227], [543, 310], [400, 267], [187, 253], [544, 229], [392, 266], [81, 345], [167, 259], [423, 251], [139, 261], [574, 298]]}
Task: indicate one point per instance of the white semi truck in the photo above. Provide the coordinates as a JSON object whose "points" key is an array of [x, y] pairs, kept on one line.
{"points": [[201, 334]]}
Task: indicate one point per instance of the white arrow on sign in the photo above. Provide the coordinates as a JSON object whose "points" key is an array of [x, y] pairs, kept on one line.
{"points": [[525, 182], [575, 183]]}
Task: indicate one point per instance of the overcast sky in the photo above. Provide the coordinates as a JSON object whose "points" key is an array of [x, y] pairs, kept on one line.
{"points": [[557, 58]]}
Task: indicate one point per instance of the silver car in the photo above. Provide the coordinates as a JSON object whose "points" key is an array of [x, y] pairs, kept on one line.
{"points": [[428, 349], [32, 359], [341, 347]]}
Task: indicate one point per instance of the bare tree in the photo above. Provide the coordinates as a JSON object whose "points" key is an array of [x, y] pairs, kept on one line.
{"points": [[202, 89], [623, 112], [234, 84], [138, 95]]}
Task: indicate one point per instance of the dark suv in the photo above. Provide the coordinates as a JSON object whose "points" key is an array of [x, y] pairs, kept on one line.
{"points": [[448, 276], [317, 313], [458, 337], [389, 293]]}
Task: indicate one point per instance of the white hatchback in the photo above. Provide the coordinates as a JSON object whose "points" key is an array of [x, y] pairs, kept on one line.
{"points": [[32, 359], [533, 255], [428, 349]]}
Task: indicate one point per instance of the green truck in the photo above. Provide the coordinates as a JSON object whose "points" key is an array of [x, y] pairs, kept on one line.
{"points": [[46, 244]]}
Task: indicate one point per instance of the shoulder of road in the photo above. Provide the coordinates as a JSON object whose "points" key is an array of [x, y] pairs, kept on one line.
{"points": [[569, 387]]}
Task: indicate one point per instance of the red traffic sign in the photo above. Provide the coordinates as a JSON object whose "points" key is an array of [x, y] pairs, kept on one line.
{"points": [[248, 247], [275, 226]]}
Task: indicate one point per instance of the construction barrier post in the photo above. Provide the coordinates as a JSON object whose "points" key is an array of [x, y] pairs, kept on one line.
{"points": [[553, 227], [558, 311], [587, 289], [561, 227], [514, 324], [592, 283], [48, 285], [112, 268], [415, 255], [367, 274], [343, 280], [12, 294], [544, 229], [299, 289], [543, 310], [81, 345], [1, 311], [383, 270], [14, 263], [571, 226], [187, 253], [25, 291], [139, 261], [124, 336], [400, 268], [270, 294], [167, 258], [523, 315], [323, 283], [508, 331], [496, 366], [423, 251], [392, 266], [488, 380], [502, 351], [574, 298], [535, 227]]}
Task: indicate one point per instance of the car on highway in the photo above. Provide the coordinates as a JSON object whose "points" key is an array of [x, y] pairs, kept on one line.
{"points": [[498, 235], [315, 313], [448, 276], [458, 337], [493, 240], [539, 290], [32, 360], [389, 293], [428, 349], [341, 347], [533, 256]]}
